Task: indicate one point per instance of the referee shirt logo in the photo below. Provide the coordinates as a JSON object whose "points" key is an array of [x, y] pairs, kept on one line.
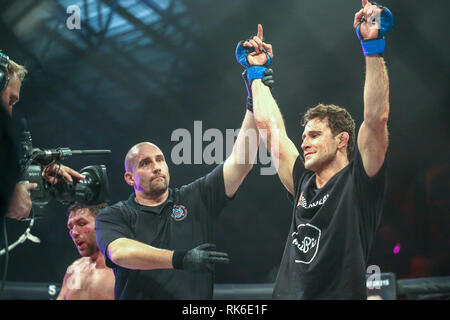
{"points": [[179, 212]]}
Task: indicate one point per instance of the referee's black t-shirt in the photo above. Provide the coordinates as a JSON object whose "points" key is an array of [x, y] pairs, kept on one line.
{"points": [[183, 222], [331, 233]]}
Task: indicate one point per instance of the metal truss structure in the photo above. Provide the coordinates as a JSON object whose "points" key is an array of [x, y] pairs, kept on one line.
{"points": [[125, 53]]}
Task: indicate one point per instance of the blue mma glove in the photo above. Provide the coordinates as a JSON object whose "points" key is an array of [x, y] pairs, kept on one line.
{"points": [[377, 46], [241, 54], [253, 72]]}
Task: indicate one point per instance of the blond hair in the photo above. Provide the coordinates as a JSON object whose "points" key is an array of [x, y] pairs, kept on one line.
{"points": [[16, 69]]}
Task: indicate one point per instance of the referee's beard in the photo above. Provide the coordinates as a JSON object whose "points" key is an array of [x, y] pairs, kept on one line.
{"points": [[158, 186]]}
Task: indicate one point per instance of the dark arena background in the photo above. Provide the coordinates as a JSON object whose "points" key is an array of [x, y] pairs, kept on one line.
{"points": [[139, 70]]}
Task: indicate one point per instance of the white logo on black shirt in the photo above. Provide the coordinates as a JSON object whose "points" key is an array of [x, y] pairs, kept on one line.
{"points": [[302, 201], [306, 240]]}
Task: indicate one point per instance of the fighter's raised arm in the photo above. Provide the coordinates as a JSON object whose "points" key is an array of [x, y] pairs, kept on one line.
{"points": [[371, 24], [240, 161], [256, 56]]}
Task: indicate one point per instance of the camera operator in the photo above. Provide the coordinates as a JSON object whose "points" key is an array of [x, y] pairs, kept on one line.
{"points": [[19, 206], [9, 162]]}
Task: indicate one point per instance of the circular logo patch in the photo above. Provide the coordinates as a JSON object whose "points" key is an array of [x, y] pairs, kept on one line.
{"points": [[179, 212]]}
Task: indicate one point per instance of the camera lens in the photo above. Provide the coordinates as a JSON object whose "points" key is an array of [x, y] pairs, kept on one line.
{"points": [[94, 189]]}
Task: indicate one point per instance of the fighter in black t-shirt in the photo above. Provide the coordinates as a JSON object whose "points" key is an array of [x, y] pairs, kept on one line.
{"points": [[148, 240], [338, 186]]}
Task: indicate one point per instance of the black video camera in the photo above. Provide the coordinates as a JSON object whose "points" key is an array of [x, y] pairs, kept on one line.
{"points": [[94, 189]]}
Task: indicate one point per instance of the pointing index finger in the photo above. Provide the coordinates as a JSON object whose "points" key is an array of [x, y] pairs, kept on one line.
{"points": [[260, 32]]}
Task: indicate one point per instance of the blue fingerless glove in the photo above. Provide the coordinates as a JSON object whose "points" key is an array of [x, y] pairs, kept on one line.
{"points": [[253, 72], [241, 54], [377, 46]]}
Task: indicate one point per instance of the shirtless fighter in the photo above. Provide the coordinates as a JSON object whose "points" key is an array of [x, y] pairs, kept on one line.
{"points": [[87, 278]]}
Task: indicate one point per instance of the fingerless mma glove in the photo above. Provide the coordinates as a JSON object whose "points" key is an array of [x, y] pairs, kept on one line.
{"points": [[377, 46], [253, 72]]}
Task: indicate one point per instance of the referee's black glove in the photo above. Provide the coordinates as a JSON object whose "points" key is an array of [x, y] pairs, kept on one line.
{"points": [[200, 258]]}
